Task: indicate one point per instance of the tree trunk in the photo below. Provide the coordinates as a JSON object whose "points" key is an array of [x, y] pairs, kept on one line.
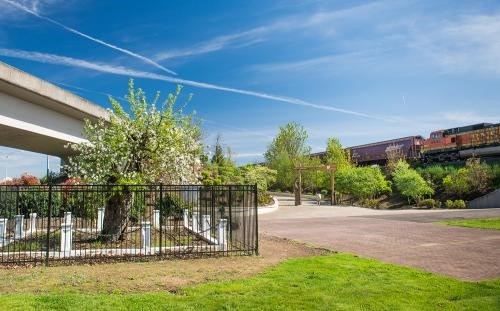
{"points": [[116, 217]]}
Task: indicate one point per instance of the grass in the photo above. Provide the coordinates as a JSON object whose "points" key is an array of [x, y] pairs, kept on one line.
{"points": [[337, 281], [482, 223]]}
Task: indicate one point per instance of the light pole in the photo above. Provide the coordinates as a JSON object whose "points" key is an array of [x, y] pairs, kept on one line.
{"points": [[48, 170]]}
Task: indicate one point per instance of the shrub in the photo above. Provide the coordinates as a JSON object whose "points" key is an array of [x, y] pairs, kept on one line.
{"points": [[455, 204], [459, 204], [495, 172], [362, 182], [429, 203], [456, 184], [409, 183], [434, 174], [371, 203], [479, 176]]}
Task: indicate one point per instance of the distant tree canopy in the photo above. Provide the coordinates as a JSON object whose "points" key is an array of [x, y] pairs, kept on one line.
{"points": [[152, 144], [287, 150], [222, 170], [336, 154]]}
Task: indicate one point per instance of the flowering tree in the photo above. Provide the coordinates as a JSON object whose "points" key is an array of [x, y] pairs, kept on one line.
{"points": [[148, 145]]}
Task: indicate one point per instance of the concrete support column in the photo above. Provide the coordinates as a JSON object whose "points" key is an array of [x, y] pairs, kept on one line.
{"points": [[19, 227], [186, 218], [196, 227], [33, 223], [3, 230], [156, 219], [146, 236], [66, 235], [205, 226], [222, 235], [100, 218]]}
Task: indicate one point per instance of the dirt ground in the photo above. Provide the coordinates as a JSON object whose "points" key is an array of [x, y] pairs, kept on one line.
{"points": [[168, 275]]}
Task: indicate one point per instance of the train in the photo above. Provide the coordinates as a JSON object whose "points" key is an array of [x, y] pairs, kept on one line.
{"points": [[449, 145]]}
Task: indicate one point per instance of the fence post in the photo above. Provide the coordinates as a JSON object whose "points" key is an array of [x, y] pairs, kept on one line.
{"points": [[3, 231], [19, 227], [32, 223], [195, 222], [256, 220], [205, 226], [186, 218], [66, 235], [222, 234], [100, 219], [161, 216], [146, 236], [48, 226], [156, 219]]}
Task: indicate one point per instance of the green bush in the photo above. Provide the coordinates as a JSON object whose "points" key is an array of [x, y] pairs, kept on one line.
{"points": [[429, 203], [479, 176], [409, 183], [460, 204], [435, 173], [362, 182], [495, 172], [474, 179], [448, 204]]}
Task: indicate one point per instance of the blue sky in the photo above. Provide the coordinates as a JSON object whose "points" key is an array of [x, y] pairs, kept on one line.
{"points": [[361, 71]]}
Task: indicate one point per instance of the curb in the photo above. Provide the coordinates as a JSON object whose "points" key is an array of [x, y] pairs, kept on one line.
{"points": [[269, 208]]}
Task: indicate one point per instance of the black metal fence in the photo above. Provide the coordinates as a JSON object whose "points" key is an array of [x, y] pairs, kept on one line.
{"points": [[120, 222]]}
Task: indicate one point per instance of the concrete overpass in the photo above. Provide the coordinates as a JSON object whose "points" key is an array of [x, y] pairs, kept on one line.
{"points": [[38, 116]]}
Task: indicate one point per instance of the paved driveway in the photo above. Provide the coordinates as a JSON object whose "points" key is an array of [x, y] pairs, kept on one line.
{"points": [[406, 237]]}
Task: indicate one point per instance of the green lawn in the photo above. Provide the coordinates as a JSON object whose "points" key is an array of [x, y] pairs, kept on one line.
{"points": [[483, 223], [337, 281]]}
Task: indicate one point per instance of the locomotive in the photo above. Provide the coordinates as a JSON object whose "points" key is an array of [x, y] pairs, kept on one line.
{"points": [[462, 142]]}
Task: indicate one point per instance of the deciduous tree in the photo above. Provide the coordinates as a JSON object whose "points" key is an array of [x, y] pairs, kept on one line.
{"points": [[149, 144]]}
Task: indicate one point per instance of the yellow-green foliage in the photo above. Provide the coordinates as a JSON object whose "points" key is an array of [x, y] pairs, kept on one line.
{"points": [[457, 183], [430, 203], [409, 183], [459, 204], [362, 182]]}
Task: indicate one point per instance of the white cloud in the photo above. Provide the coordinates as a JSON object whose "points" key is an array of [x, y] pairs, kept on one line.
{"points": [[112, 46], [403, 44], [315, 21], [120, 70], [470, 43]]}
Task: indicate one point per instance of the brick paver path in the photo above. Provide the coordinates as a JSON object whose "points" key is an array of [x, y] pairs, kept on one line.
{"points": [[405, 237]]}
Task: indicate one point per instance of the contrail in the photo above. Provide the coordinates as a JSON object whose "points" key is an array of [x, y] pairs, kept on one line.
{"points": [[138, 56], [120, 70]]}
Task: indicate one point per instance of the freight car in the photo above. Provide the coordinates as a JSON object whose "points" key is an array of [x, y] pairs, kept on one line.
{"points": [[462, 142], [376, 153]]}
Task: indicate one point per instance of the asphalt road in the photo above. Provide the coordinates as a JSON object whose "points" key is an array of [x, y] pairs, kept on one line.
{"points": [[405, 237]]}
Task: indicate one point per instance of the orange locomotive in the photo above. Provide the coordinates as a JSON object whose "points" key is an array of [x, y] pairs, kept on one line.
{"points": [[462, 142]]}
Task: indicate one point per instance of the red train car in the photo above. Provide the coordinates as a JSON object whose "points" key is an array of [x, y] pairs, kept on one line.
{"points": [[462, 142], [376, 153]]}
